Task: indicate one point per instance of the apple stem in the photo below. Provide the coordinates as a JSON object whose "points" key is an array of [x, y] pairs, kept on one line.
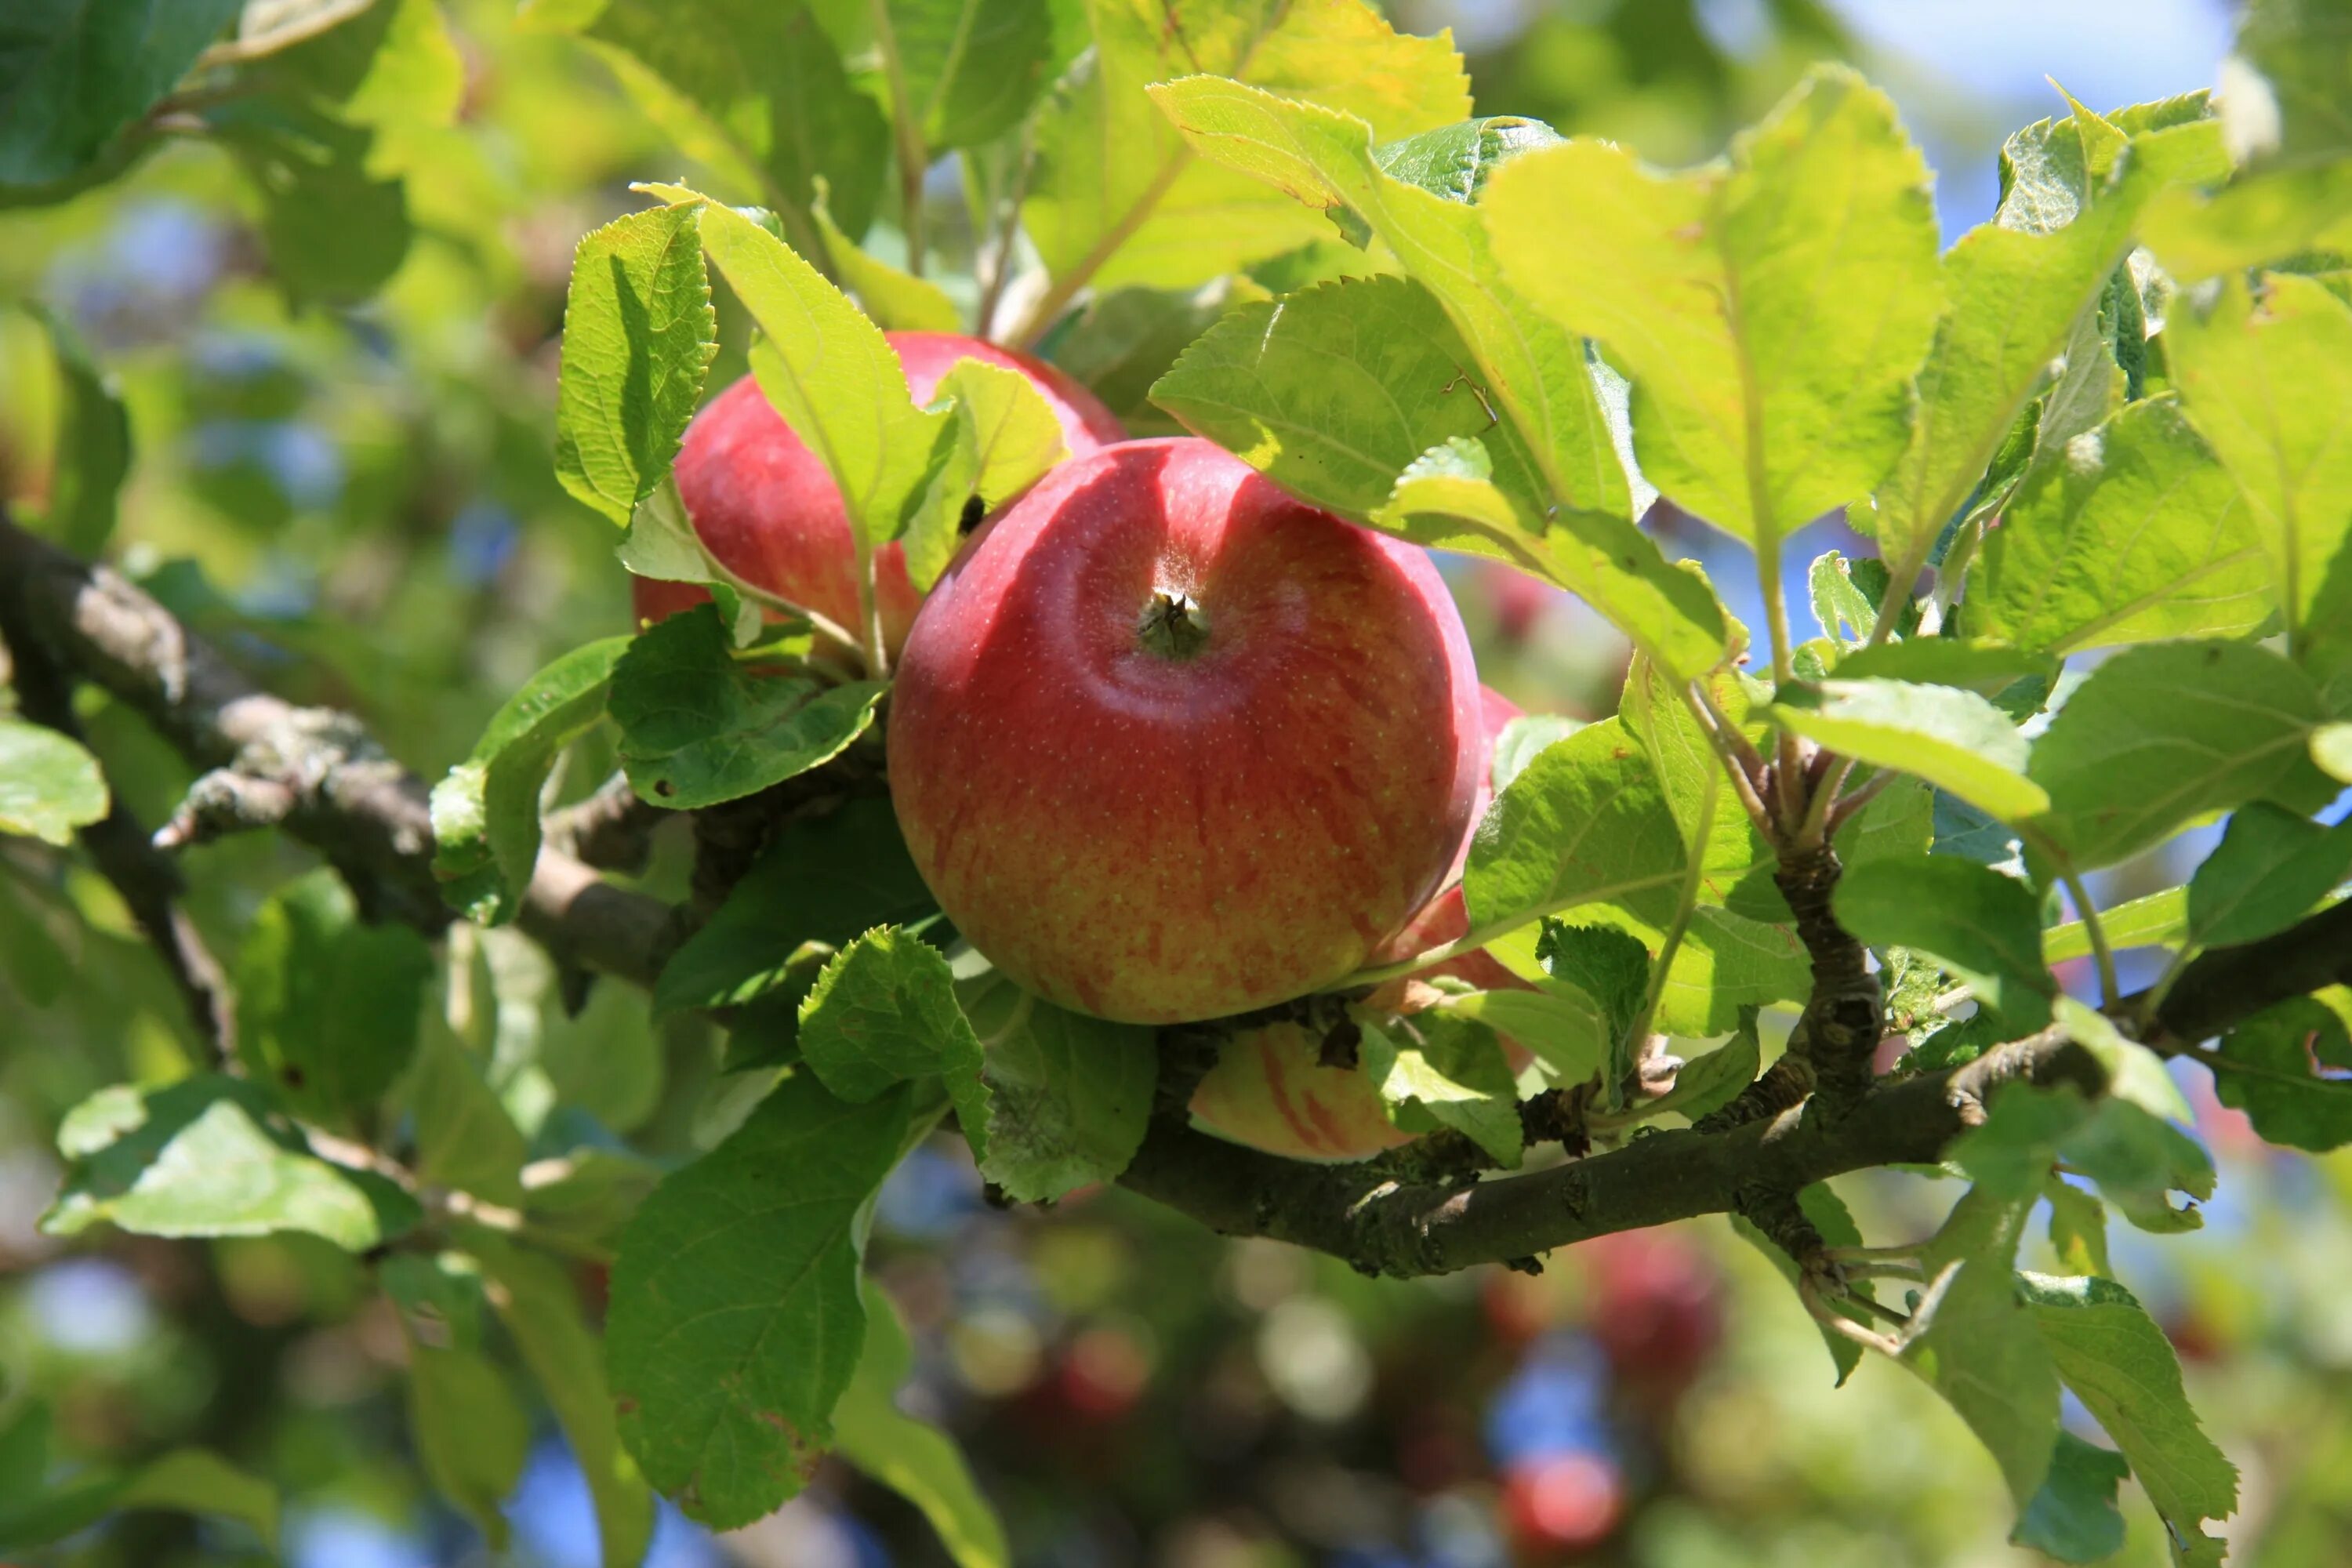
{"points": [[1173, 626], [869, 617]]}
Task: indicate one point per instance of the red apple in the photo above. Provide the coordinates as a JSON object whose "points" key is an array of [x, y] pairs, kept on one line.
{"points": [[766, 508], [1167, 744], [1270, 1089], [1657, 1307], [1564, 1502]]}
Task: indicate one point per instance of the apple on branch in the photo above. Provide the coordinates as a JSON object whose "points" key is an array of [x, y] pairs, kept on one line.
{"points": [[1271, 1088], [766, 507], [1167, 744]]}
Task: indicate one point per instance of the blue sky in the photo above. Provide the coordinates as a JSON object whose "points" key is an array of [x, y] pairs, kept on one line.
{"points": [[1999, 53]]}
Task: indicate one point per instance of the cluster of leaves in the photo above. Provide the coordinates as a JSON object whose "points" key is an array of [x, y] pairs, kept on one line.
{"points": [[2105, 420]]}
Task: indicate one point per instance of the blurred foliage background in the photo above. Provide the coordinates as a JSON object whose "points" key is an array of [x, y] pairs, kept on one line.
{"points": [[341, 472]]}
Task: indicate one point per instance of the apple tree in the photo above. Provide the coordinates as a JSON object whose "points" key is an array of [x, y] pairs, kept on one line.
{"points": [[1797, 909]]}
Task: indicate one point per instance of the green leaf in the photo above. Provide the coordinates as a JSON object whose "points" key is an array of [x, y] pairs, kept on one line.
{"points": [[328, 1005], [1953, 739], [661, 542], [588, 1193], [897, 300], [542, 1313], [1334, 392], [469, 1430], [1451, 1069], [1455, 161], [49, 784], [1123, 341], [1844, 609], [735, 1323], [883, 1012], [2267, 1067], [2158, 920], [2273, 215], [2119, 1362], [913, 1458], [1604, 964], [1585, 822], [2298, 48], [830, 372], [2073, 1517], [2331, 751], [1532, 367], [394, 66], [2078, 1228], [1524, 738], [1353, 395], [2136, 1074], [756, 92], [203, 1157], [1117, 195], [1827, 1212], [1979, 1349], [1989, 669], [1982, 926], [697, 727], [1006, 439], [971, 68], [37, 1509], [1532, 372], [1727, 962], [1561, 1028], [1772, 312], [1707, 1083], [93, 445], [75, 74], [1655, 711], [820, 880], [2135, 534], [1068, 1096], [193, 1480], [2014, 297], [336, 228], [2162, 734], [464, 1137], [2270, 388], [2271, 866], [440, 1299], [2137, 1157], [486, 824], [638, 336]]}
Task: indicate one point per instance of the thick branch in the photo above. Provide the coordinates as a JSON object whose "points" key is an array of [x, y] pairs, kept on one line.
{"points": [[2229, 984], [1387, 1227], [365, 812], [1838, 1032], [612, 829]]}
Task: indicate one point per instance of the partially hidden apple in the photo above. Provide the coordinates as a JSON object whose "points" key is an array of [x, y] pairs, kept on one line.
{"points": [[766, 506], [1167, 744], [1270, 1088]]}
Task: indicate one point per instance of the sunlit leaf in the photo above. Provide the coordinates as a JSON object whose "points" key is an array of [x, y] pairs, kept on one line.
{"points": [[1771, 312], [639, 334], [735, 1322], [49, 784]]}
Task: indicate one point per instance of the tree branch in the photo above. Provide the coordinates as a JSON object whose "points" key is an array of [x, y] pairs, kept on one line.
{"points": [[341, 796], [2227, 986], [1385, 1226]]}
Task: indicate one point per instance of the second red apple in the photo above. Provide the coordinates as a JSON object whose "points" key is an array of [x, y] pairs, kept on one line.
{"points": [[765, 505]]}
